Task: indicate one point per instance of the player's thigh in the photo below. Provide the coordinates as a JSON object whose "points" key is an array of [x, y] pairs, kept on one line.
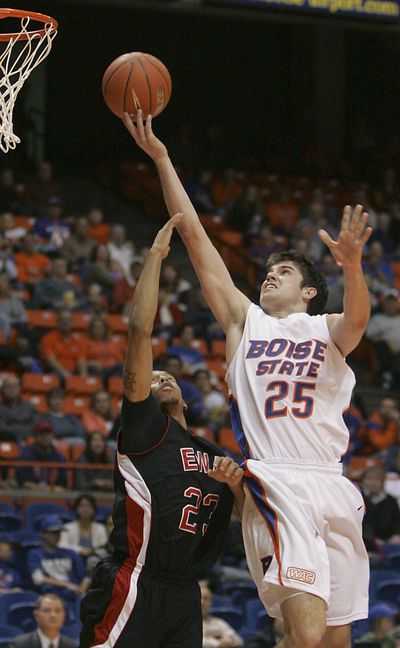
{"points": [[337, 637], [304, 618]]}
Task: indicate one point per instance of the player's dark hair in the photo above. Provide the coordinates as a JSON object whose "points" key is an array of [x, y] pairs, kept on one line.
{"points": [[312, 277]]}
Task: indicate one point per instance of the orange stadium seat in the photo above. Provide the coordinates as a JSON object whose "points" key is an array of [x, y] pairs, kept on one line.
{"points": [[227, 440], [218, 349], [41, 318], [204, 432], [38, 383], [117, 323], [217, 366], [83, 384], [80, 321], [114, 386], [75, 405], [159, 346], [37, 400]]}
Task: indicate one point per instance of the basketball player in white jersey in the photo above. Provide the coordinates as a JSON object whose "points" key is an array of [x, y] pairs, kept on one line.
{"points": [[289, 384]]}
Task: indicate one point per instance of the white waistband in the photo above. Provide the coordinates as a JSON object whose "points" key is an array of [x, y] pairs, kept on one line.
{"points": [[301, 464]]}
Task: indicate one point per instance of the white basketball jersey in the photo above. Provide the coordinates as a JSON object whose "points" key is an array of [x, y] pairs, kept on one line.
{"points": [[289, 385]]}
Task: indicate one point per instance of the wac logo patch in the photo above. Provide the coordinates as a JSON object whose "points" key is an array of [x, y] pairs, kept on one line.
{"points": [[303, 575]]}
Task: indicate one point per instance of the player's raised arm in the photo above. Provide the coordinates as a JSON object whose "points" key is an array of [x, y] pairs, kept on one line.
{"points": [[138, 364], [228, 304], [348, 327]]}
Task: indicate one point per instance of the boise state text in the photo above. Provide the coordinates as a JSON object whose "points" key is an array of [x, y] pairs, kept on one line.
{"points": [[295, 358]]}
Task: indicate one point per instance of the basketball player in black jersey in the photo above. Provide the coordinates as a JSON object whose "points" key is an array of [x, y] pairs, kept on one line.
{"points": [[173, 499]]}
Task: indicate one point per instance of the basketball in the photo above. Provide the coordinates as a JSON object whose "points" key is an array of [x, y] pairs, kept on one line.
{"points": [[136, 80]]}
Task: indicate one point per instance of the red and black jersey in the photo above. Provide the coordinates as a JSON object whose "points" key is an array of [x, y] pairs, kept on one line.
{"points": [[170, 517]]}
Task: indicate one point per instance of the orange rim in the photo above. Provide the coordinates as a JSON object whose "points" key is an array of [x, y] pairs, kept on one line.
{"points": [[20, 13]]}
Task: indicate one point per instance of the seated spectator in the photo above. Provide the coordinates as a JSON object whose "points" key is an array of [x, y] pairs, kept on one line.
{"points": [[104, 357], [215, 407], [199, 191], [84, 535], [120, 249], [57, 291], [282, 212], [217, 633], [32, 265], [169, 316], [382, 233], [382, 621], [201, 317], [176, 288], [17, 417], [191, 394], [382, 427], [42, 187], [381, 521], [7, 259], [384, 333], [103, 270], [78, 248], [52, 230], [42, 450], [243, 210], [65, 426], [377, 270], [10, 230], [50, 618], [100, 416], [20, 353], [10, 579], [262, 246], [95, 301], [97, 479], [191, 357], [63, 351], [98, 230], [54, 569], [125, 287], [12, 310]]}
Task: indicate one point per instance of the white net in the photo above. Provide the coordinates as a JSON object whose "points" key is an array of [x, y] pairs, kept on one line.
{"points": [[19, 56]]}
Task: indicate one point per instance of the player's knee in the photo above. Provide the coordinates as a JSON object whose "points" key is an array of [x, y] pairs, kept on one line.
{"points": [[310, 637]]}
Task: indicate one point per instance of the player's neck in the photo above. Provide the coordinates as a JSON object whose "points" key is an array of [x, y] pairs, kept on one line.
{"points": [[180, 418], [281, 313]]}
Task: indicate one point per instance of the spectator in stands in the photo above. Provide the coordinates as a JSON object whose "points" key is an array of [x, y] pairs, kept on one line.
{"points": [[42, 450], [61, 350], [97, 229], [84, 535], [50, 617], [191, 394], [242, 211], [10, 229], [262, 245], [52, 229], [103, 551], [10, 579], [185, 349], [169, 317], [42, 187], [382, 233], [100, 416], [95, 301], [104, 356], [98, 479], [378, 269], [355, 424], [12, 310], [215, 407], [174, 285], [17, 417], [384, 333], [125, 287], [65, 426], [78, 248], [32, 265], [11, 191], [382, 427], [382, 620], [7, 259], [54, 569], [199, 190], [217, 633], [282, 212], [382, 515], [104, 270], [56, 290], [201, 317], [120, 249]]}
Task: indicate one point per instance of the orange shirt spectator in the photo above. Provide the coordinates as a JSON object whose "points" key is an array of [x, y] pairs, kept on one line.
{"points": [[101, 350], [98, 230], [31, 264], [61, 350], [382, 427], [100, 416]]}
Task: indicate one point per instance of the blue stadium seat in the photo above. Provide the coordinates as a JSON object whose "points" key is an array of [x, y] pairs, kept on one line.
{"points": [[377, 576], [231, 615], [34, 512], [8, 631], [102, 511], [21, 615], [11, 598], [253, 609], [389, 591], [221, 600], [5, 507], [10, 521], [359, 628], [26, 539], [72, 631], [244, 592]]}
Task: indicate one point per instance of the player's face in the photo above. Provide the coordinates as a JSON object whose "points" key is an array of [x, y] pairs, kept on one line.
{"points": [[165, 388], [282, 287]]}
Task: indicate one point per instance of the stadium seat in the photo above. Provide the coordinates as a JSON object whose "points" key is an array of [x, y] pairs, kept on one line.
{"points": [[359, 628], [218, 349], [7, 632], [231, 615], [114, 386], [389, 591], [241, 593], [37, 383], [83, 385], [255, 615], [72, 631], [34, 512], [227, 441], [21, 615], [217, 366], [198, 343], [159, 346], [75, 405], [37, 400], [11, 598], [26, 539], [117, 323], [41, 319], [102, 511], [10, 521], [80, 321]]}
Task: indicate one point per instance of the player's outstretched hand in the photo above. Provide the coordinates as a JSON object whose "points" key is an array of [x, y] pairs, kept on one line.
{"points": [[354, 234], [226, 470], [163, 238], [143, 135]]}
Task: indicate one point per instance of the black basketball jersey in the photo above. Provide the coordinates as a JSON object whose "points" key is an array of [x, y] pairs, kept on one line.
{"points": [[170, 517]]}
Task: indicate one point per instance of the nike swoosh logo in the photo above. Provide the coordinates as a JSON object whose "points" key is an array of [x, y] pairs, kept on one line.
{"points": [[360, 507]]}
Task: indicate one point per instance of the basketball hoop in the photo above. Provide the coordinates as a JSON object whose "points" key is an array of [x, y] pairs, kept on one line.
{"points": [[24, 49]]}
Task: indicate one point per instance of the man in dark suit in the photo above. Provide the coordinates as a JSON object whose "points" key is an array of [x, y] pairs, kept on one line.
{"points": [[50, 617]]}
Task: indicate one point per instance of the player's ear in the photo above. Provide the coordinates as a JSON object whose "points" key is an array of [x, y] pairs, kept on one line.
{"points": [[309, 292]]}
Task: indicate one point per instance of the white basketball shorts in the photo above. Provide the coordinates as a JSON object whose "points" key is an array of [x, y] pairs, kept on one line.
{"points": [[302, 533]]}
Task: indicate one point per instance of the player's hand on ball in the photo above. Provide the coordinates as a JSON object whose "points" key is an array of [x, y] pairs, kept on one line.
{"points": [[144, 137], [226, 470]]}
